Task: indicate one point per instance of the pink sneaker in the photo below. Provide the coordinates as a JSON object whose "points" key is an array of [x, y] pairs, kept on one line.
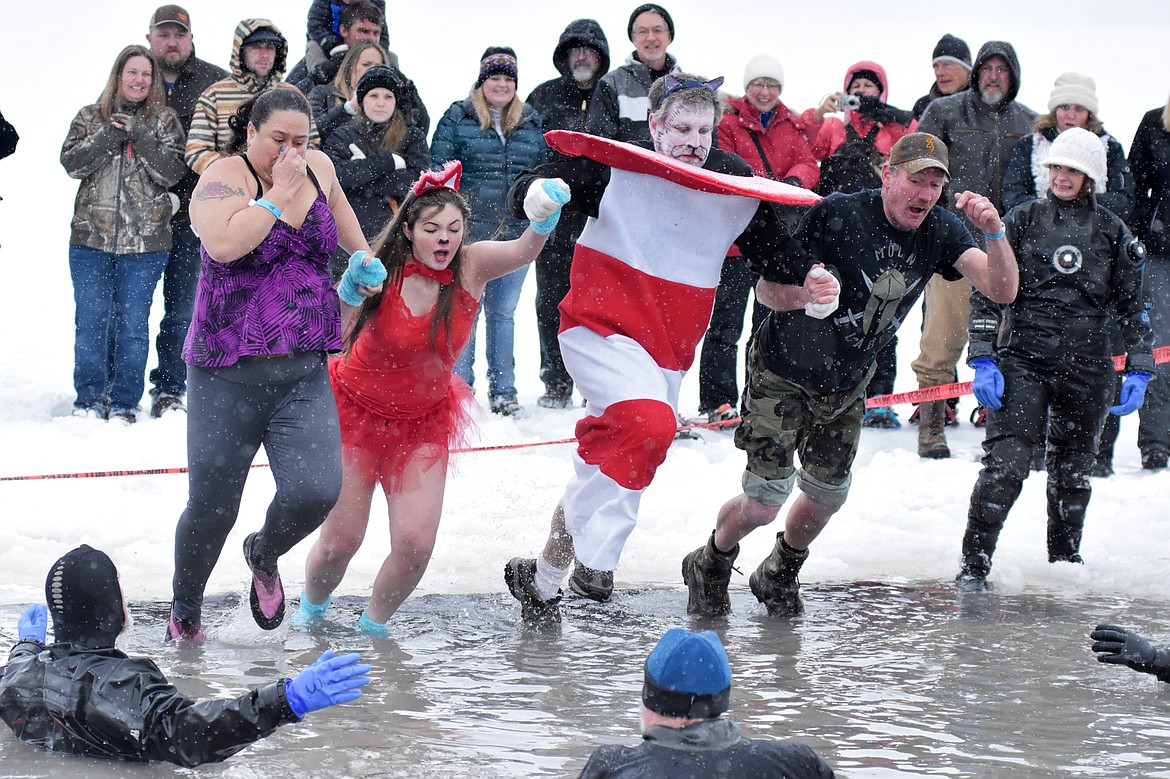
{"points": [[266, 595], [184, 632]]}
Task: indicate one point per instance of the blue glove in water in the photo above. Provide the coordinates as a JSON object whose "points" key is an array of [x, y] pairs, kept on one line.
{"points": [[357, 275], [1133, 391], [559, 194], [33, 623], [329, 681], [988, 383]]}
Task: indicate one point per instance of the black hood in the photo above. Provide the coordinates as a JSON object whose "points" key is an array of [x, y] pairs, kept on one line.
{"points": [[1001, 49], [581, 32], [85, 599]]}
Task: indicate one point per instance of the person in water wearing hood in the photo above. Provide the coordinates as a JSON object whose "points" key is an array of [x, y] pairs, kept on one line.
{"points": [[685, 692], [82, 696], [1042, 363]]}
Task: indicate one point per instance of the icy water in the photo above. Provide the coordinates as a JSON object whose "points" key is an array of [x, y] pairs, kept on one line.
{"points": [[883, 680]]}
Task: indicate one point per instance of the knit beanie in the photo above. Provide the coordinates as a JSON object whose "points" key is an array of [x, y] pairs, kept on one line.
{"points": [[1079, 149], [763, 66], [952, 49], [496, 59], [687, 675], [650, 8], [1073, 89], [377, 76], [872, 75], [84, 598]]}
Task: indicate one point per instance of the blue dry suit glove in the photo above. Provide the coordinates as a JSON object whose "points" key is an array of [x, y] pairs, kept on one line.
{"points": [[371, 274], [33, 624], [542, 204], [1133, 391], [329, 681], [988, 384]]}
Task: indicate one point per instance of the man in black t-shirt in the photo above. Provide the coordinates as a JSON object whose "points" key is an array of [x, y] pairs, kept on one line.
{"points": [[807, 374]]}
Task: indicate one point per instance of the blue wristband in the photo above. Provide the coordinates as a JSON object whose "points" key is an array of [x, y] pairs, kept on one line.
{"points": [[267, 205], [1002, 232]]}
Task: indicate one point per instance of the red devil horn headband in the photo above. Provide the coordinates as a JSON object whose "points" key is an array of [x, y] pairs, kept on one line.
{"points": [[447, 178]]}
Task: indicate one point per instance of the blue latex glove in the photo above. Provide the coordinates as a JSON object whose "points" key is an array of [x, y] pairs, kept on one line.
{"points": [[371, 274], [33, 624], [988, 383], [329, 681], [553, 193], [1133, 391]]}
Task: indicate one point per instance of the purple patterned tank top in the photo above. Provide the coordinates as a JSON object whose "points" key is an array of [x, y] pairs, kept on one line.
{"points": [[275, 300]]}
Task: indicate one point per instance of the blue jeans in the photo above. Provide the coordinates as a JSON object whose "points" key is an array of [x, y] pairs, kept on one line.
{"points": [[500, 297], [112, 290], [179, 281]]}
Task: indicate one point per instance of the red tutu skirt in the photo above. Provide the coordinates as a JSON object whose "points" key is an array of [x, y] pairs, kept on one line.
{"points": [[391, 450]]}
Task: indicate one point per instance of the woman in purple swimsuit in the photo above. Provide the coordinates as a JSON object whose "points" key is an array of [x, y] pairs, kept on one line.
{"points": [[265, 320]]}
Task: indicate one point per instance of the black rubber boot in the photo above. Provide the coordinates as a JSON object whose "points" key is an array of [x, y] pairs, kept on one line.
{"points": [[775, 582], [707, 572]]}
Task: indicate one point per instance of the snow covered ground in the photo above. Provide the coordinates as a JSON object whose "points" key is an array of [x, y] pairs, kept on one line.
{"points": [[905, 515]]}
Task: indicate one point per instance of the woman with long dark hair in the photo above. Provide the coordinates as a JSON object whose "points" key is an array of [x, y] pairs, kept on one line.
{"points": [[401, 407], [266, 317], [127, 149]]}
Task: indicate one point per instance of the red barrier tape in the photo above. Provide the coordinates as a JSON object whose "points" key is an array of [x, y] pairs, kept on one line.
{"points": [[944, 391], [940, 392]]}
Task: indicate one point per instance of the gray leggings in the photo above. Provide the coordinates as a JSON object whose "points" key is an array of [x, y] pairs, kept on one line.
{"points": [[285, 403]]}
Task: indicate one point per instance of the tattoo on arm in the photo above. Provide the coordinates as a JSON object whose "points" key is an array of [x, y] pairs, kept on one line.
{"points": [[217, 190]]}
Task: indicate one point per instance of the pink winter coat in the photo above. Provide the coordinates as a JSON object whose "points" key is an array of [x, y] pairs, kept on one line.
{"points": [[783, 141], [824, 137]]}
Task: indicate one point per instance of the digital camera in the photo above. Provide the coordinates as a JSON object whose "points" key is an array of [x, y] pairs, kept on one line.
{"points": [[848, 102]]}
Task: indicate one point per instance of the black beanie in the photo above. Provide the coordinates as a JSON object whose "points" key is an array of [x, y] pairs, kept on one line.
{"points": [[84, 598], [377, 76], [497, 59], [872, 75], [952, 49], [652, 8]]}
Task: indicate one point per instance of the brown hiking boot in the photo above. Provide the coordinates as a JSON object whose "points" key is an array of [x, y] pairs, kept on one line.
{"points": [[706, 572], [932, 441], [775, 582]]}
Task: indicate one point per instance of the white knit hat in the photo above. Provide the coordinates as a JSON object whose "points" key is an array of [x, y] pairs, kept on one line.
{"points": [[763, 66], [1073, 89], [1079, 149]]}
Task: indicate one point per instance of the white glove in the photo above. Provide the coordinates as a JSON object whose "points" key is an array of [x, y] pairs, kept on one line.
{"points": [[538, 204], [339, 49], [399, 163], [358, 154], [822, 310]]}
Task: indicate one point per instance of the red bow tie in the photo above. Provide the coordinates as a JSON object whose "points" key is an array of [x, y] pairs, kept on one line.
{"points": [[444, 277]]}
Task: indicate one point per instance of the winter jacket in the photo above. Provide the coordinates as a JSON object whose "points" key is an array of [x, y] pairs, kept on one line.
{"points": [[8, 137], [621, 103], [1026, 179], [1149, 159], [489, 164], [370, 179], [329, 112], [980, 137], [931, 95], [785, 146], [712, 749], [209, 134], [852, 150], [323, 24], [1077, 274], [563, 105], [101, 703], [122, 204], [182, 97]]}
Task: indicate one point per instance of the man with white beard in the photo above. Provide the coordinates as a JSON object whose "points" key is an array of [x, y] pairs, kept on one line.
{"points": [[581, 57], [979, 127]]}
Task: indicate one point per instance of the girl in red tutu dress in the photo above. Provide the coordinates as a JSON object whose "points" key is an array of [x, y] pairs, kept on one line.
{"points": [[401, 408]]}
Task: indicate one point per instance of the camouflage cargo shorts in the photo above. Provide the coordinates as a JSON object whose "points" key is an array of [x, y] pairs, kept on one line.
{"points": [[783, 422]]}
